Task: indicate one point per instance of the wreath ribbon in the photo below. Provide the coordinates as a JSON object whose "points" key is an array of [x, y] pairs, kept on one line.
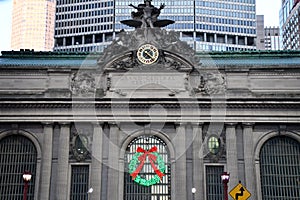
{"points": [[142, 159]]}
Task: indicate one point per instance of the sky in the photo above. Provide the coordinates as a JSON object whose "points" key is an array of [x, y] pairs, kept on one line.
{"points": [[268, 8]]}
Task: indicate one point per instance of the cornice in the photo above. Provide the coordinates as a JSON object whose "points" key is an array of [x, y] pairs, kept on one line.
{"points": [[126, 105]]}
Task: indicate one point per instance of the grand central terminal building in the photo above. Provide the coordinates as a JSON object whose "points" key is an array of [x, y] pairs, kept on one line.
{"points": [[149, 119]]}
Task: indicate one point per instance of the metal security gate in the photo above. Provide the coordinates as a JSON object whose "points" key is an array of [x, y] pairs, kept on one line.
{"points": [[159, 191], [280, 169], [17, 155]]}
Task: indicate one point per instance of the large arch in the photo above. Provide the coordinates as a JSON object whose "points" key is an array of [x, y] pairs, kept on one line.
{"points": [[264, 141], [125, 143], [26, 148]]}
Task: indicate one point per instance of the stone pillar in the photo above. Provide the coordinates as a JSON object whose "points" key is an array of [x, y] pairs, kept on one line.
{"points": [[215, 38], [96, 168], [46, 161], [113, 163], [180, 162], [246, 40], [64, 42], [249, 159], [63, 162], [231, 155], [73, 40], [198, 167], [236, 39], [226, 39], [205, 37]]}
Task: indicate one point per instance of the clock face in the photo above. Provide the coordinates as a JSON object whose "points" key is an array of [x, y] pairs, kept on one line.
{"points": [[147, 54]]}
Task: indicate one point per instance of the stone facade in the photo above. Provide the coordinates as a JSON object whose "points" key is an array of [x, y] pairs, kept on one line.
{"points": [[244, 99]]}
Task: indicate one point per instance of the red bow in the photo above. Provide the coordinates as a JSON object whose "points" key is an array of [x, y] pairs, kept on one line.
{"points": [[142, 159]]}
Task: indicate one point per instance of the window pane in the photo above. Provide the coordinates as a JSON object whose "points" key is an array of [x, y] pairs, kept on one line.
{"points": [[159, 191], [17, 155], [214, 187], [280, 169], [79, 182]]}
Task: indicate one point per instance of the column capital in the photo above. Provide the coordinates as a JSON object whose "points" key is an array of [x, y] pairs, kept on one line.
{"points": [[177, 124], [97, 123], [198, 124], [248, 124], [48, 123], [230, 124], [64, 123]]}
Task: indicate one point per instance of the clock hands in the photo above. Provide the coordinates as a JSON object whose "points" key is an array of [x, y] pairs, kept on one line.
{"points": [[149, 54]]}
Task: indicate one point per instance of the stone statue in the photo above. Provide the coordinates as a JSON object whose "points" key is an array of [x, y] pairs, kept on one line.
{"points": [[146, 16]]}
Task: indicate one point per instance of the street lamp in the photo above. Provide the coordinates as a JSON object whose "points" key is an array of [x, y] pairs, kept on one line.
{"points": [[90, 191], [194, 190], [26, 177], [225, 178]]}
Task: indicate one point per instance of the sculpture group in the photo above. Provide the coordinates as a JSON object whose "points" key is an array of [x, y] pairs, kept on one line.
{"points": [[146, 16]]}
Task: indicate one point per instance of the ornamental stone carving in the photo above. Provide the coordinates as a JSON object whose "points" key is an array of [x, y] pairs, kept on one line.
{"points": [[210, 84], [83, 84]]}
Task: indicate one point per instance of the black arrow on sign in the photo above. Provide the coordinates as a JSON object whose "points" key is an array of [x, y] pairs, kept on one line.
{"points": [[237, 195]]}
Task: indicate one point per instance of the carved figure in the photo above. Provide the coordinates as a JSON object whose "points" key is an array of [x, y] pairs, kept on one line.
{"points": [[147, 13], [146, 16]]}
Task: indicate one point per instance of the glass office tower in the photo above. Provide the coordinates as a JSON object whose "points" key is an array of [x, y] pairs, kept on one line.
{"points": [[290, 24], [204, 24]]}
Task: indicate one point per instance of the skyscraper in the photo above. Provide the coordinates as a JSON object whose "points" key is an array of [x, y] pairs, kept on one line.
{"points": [[204, 24], [272, 38], [33, 25], [260, 32], [289, 24]]}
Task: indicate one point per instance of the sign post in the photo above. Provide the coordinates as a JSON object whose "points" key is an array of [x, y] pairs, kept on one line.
{"points": [[239, 192]]}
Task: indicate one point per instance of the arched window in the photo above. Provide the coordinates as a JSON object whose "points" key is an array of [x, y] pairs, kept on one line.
{"points": [[17, 155], [280, 169], [137, 191]]}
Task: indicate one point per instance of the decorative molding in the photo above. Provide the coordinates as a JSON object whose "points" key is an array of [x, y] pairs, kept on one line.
{"points": [[80, 144], [210, 84], [171, 105], [83, 84]]}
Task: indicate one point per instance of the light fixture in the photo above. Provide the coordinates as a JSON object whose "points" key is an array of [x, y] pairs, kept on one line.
{"points": [[225, 178], [26, 177], [194, 190]]}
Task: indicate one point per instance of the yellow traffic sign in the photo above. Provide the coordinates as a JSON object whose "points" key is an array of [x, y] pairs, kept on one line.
{"points": [[239, 192]]}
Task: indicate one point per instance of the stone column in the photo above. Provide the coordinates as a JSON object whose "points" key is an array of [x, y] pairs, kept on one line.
{"points": [[46, 161], [63, 162], [205, 37], [231, 154], [249, 159], [113, 163], [198, 167], [180, 162], [226, 39], [96, 168]]}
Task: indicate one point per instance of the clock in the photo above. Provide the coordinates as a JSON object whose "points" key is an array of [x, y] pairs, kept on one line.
{"points": [[147, 54]]}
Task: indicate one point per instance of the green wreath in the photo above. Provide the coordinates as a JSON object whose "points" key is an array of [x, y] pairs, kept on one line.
{"points": [[139, 158]]}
